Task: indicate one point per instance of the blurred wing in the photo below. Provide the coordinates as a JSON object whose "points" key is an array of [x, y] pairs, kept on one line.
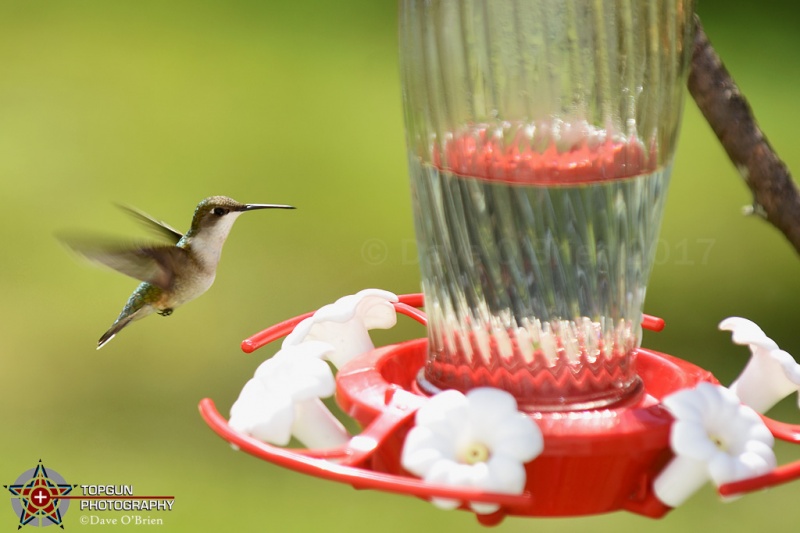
{"points": [[158, 226], [153, 264]]}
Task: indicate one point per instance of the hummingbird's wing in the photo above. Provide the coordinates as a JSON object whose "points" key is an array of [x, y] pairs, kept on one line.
{"points": [[158, 226], [154, 264]]}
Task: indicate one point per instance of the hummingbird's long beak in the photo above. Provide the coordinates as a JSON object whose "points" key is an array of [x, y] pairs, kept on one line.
{"points": [[253, 207]]}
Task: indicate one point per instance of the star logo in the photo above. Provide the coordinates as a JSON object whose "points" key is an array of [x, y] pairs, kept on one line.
{"points": [[36, 496]]}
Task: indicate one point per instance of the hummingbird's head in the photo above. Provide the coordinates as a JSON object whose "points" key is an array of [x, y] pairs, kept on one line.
{"points": [[214, 218], [221, 211]]}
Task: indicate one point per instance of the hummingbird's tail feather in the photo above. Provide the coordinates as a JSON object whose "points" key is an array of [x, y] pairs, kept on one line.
{"points": [[107, 336], [113, 330], [138, 306]]}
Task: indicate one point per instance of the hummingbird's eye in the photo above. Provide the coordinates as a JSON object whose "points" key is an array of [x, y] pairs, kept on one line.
{"points": [[220, 211]]}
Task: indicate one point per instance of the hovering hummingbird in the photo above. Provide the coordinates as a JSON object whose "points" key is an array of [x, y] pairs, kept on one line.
{"points": [[171, 274]]}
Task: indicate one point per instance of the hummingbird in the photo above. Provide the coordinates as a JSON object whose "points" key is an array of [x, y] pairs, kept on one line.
{"points": [[174, 273]]}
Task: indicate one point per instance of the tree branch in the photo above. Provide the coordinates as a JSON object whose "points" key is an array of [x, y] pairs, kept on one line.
{"points": [[775, 195]]}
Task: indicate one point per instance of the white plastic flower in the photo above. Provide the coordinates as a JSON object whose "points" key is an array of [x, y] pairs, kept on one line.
{"points": [[770, 375], [345, 324], [714, 437], [478, 441], [283, 399]]}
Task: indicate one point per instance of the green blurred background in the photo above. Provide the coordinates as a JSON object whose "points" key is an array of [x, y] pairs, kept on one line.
{"points": [[159, 104]]}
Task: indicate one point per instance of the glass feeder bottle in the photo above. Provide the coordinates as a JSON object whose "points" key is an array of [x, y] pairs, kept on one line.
{"points": [[540, 136]]}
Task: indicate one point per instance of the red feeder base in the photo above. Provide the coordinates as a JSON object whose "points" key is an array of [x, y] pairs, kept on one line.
{"points": [[594, 461]]}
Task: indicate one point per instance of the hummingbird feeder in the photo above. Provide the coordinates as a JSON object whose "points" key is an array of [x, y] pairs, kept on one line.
{"points": [[540, 135]]}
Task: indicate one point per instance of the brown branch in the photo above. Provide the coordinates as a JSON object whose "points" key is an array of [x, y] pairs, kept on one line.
{"points": [[775, 195]]}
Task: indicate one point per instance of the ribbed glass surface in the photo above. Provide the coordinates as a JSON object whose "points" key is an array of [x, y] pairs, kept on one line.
{"points": [[540, 137]]}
